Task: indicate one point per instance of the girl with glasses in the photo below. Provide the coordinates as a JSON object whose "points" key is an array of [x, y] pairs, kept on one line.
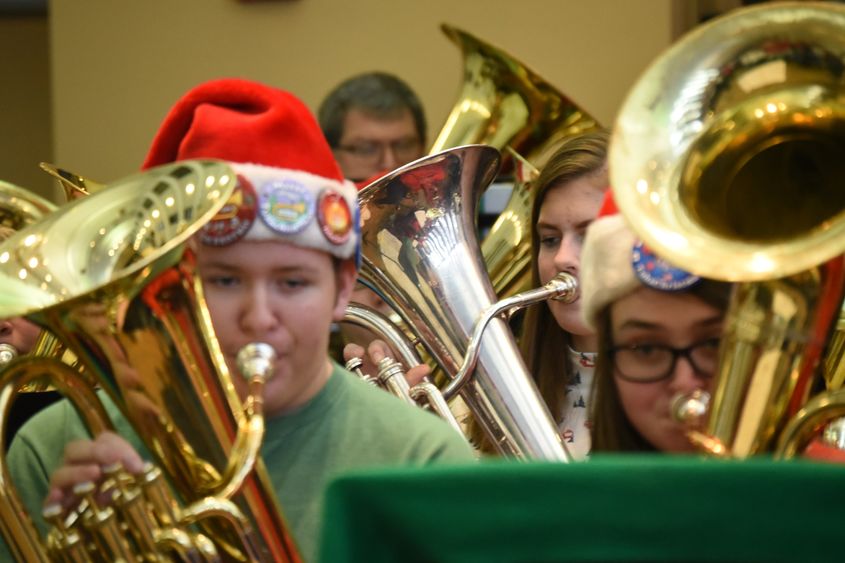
{"points": [[658, 333]]}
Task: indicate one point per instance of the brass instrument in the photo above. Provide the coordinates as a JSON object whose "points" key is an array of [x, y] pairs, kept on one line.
{"points": [[420, 253], [20, 208], [113, 277], [563, 287], [73, 185], [503, 103], [726, 159], [507, 247]]}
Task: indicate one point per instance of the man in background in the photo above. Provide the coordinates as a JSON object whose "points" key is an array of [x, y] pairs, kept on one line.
{"points": [[374, 123]]}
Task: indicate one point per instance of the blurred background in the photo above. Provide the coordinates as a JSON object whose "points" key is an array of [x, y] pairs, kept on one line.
{"points": [[86, 84]]}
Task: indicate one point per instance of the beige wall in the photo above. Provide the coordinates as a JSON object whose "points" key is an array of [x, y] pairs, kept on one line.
{"points": [[25, 121], [118, 66]]}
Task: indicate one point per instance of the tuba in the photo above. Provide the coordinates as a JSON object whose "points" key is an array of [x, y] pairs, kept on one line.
{"points": [[726, 159], [503, 103], [420, 253], [113, 277]]}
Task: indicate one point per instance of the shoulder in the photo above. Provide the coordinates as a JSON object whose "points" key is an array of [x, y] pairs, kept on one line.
{"points": [[389, 420]]}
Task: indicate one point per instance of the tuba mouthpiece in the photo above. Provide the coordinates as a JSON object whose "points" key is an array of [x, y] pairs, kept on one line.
{"points": [[565, 287], [7, 354], [256, 359]]}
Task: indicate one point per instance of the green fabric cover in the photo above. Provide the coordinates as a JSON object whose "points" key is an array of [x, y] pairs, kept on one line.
{"points": [[614, 508]]}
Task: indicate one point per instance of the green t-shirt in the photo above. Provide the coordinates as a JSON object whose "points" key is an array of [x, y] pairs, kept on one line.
{"points": [[348, 425]]}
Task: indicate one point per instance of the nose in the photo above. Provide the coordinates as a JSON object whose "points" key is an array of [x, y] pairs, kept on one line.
{"points": [[389, 160], [568, 255], [6, 329], [258, 317], [685, 379]]}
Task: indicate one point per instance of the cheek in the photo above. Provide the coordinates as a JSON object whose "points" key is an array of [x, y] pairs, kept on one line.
{"points": [[28, 333], [638, 399], [223, 313], [546, 265]]}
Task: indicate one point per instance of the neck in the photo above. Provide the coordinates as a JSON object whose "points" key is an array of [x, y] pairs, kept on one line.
{"points": [[585, 342]]}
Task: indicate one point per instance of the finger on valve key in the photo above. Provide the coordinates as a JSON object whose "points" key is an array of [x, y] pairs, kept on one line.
{"points": [[379, 349], [85, 460]]}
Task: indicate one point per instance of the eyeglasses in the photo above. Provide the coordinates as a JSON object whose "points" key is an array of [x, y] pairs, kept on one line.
{"points": [[647, 363], [405, 150]]}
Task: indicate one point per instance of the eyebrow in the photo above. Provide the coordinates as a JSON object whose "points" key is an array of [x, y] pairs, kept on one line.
{"points": [[634, 324], [582, 225], [234, 268]]}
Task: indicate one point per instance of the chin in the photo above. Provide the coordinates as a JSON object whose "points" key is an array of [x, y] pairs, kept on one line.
{"points": [[569, 319]]}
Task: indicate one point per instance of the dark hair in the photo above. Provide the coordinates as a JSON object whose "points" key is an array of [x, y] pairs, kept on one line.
{"points": [[544, 343], [611, 431], [380, 94]]}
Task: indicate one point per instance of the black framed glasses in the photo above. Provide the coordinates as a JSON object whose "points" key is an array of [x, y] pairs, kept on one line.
{"points": [[407, 149], [647, 363]]}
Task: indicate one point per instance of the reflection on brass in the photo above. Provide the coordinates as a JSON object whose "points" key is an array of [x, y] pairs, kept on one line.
{"points": [[504, 103], [20, 207], [113, 277], [73, 185], [420, 253], [507, 247], [727, 160]]}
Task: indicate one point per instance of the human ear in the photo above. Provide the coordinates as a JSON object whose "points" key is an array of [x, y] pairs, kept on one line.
{"points": [[346, 274]]}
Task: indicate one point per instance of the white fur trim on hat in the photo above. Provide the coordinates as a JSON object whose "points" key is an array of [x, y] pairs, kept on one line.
{"points": [[303, 226], [606, 272]]}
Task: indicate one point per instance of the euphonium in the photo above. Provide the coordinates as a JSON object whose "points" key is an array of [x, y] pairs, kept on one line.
{"points": [[503, 103], [563, 287], [507, 247], [73, 185], [113, 277], [20, 208], [420, 253], [727, 160]]}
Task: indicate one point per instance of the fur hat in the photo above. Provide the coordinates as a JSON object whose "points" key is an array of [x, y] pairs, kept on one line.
{"points": [[614, 262], [290, 188]]}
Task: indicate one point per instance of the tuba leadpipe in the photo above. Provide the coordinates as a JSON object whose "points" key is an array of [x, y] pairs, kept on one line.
{"points": [[726, 160], [113, 276]]}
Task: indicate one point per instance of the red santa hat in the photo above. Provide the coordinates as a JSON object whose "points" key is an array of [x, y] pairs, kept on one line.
{"points": [[614, 262], [290, 188]]}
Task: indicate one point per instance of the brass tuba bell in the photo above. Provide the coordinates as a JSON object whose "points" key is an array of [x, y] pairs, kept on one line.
{"points": [[112, 275], [727, 160], [503, 103]]}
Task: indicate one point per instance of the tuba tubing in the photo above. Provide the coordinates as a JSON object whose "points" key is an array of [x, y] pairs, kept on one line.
{"points": [[113, 277], [421, 254], [726, 161]]}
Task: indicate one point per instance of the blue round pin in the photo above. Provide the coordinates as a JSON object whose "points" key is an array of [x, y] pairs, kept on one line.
{"points": [[657, 273]]}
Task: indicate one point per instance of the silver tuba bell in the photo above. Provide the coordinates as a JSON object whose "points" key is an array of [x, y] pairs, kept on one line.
{"points": [[421, 254]]}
